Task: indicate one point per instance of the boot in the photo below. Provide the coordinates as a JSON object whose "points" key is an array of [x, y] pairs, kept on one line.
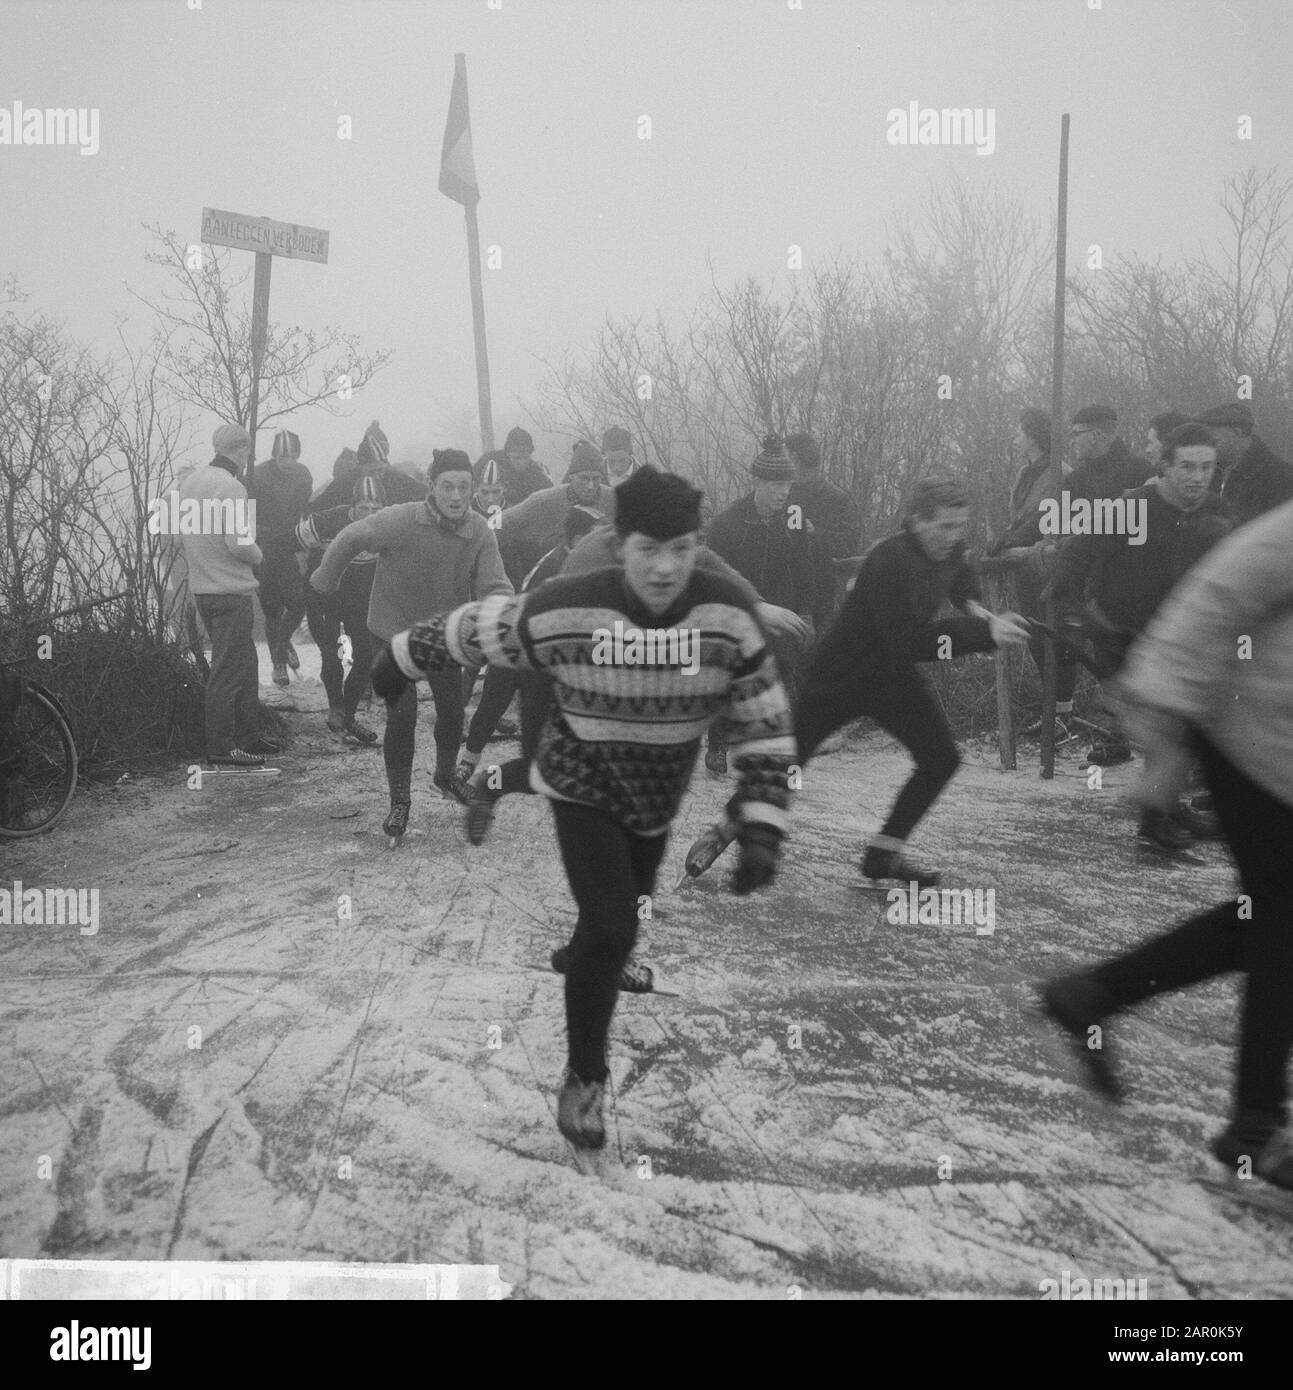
{"points": [[579, 1112], [1075, 1003]]}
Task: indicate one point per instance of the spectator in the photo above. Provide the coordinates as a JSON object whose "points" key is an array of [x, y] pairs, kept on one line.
{"points": [[1255, 479], [833, 522], [221, 564]]}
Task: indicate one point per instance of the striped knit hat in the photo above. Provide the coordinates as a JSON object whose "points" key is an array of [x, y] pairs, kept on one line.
{"points": [[374, 448], [286, 445], [773, 463], [489, 476], [369, 491]]}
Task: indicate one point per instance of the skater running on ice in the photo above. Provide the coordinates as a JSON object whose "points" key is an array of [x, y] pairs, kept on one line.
{"points": [[1212, 678], [347, 607], [431, 556], [618, 750], [867, 664], [281, 488], [1107, 586], [529, 529], [598, 549]]}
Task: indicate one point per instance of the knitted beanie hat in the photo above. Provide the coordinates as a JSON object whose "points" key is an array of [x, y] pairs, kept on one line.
{"points": [[447, 461], [286, 445], [517, 438], [617, 441], [374, 448], [347, 462], [489, 476], [660, 505], [586, 458], [773, 463], [369, 491]]}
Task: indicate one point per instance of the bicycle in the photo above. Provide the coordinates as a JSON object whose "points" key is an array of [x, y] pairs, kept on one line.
{"points": [[38, 754]]}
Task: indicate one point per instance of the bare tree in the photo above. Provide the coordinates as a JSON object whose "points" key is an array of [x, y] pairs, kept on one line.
{"points": [[204, 340]]}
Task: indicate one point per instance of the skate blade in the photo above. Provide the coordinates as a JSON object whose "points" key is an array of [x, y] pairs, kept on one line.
{"points": [[241, 771]]}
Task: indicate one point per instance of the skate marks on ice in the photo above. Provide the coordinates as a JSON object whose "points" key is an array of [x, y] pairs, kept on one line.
{"points": [[386, 1089]]}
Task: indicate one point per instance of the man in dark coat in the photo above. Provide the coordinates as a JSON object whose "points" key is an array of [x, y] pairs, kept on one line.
{"points": [[1022, 541], [771, 548], [834, 522], [1105, 466], [281, 488], [1255, 480], [521, 474], [1127, 577]]}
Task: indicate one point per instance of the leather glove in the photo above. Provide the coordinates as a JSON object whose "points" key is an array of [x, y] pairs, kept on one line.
{"points": [[388, 680], [760, 850]]}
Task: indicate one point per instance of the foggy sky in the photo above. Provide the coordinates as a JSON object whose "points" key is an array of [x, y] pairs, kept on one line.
{"points": [[768, 129]]}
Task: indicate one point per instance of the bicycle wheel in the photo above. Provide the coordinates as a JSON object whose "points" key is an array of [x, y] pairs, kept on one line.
{"points": [[38, 776]]}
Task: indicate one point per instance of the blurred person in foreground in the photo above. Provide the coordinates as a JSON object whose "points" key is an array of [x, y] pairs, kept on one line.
{"points": [[1211, 678]]}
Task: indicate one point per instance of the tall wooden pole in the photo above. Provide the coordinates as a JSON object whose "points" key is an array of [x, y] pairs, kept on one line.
{"points": [[259, 329], [478, 328], [1059, 436]]}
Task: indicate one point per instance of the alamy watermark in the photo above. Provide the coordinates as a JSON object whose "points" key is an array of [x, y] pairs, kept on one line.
{"points": [[63, 125], [173, 515], [943, 907], [915, 124], [1106, 516], [50, 907], [655, 646]]}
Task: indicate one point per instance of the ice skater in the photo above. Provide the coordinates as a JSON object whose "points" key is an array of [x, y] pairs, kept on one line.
{"points": [[619, 747]]}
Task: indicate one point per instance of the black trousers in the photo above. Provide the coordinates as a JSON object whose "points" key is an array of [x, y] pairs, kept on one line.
{"points": [[910, 713], [536, 701], [401, 727], [609, 868], [282, 600], [1259, 830], [233, 688], [327, 614]]}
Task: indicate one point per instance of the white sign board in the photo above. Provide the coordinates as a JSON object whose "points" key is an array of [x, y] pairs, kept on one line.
{"points": [[263, 235]]}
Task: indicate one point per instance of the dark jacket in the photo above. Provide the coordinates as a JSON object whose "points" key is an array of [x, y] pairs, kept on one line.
{"points": [[339, 493], [1112, 474], [1128, 582], [281, 489], [775, 557], [888, 621], [1259, 482], [1026, 497], [836, 533]]}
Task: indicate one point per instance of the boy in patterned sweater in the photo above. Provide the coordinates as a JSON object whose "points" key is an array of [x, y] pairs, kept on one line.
{"points": [[642, 657]]}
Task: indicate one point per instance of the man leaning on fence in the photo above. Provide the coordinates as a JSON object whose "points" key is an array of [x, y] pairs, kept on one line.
{"points": [[221, 561]]}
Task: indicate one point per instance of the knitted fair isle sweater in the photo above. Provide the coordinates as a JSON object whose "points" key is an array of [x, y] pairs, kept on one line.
{"points": [[624, 737]]}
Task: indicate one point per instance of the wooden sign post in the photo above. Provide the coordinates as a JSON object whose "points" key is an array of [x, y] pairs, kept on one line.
{"points": [[266, 239]]}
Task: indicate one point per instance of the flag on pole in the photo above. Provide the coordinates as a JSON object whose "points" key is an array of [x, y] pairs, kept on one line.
{"points": [[457, 167]]}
